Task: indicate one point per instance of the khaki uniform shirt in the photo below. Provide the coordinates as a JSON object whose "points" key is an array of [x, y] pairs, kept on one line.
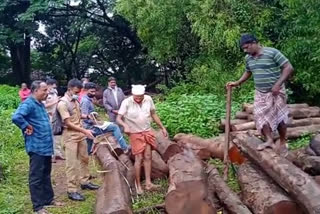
{"points": [[137, 116], [75, 117]]}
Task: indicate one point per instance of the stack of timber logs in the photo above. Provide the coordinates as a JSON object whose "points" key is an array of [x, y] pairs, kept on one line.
{"points": [[303, 119], [300, 186]]}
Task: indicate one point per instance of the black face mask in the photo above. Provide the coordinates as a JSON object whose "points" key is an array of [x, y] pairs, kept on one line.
{"points": [[91, 95]]}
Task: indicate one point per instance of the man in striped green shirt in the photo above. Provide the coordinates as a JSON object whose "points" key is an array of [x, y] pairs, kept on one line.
{"points": [[270, 69]]}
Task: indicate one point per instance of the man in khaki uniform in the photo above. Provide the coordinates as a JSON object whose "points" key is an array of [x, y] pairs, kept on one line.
{"points": [[73, 137]]}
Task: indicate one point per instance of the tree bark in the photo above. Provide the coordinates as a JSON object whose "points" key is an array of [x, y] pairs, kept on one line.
{"points": [[166, 147], [298, 113], [242, 115], [159, 168], [212, 147], [244, 126], [113, 197], [187, 193], [296, 182], [228, 198], [309, 164], [20, 60], [232, 122], [129, 172], [261, 194]]}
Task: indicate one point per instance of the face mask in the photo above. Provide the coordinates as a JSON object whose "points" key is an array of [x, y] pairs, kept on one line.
{"points": [[90, 95], [75, 97]]}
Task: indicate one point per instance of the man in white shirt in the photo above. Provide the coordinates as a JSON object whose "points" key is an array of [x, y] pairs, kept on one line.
{"points": [[135, 115]]}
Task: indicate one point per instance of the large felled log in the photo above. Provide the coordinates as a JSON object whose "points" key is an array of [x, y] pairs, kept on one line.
{"points": [[304, 122], [298, 113], [213, 147], [232, 122], [111, 142], [244, 126], [296, 182], [309, 164], [242, 115], [261, 194], [187, 193], [228, 198], [249, 107], [166, 147], [314, 146], [113, 197], [159, 168], [128, 170]]}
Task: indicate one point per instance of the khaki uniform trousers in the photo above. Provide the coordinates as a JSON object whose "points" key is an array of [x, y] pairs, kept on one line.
{"points": [[77, 159]]}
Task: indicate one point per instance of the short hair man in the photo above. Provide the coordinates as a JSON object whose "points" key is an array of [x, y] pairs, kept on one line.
{"points": [[24, 92], [112, 99], [73, 136], [84, 81], [87, 107], [31, 117], [135, 115], [51, 105], [270, 69]]}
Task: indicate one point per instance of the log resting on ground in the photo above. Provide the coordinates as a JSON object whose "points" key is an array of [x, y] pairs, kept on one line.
{"points": [[232, 122], [212, 147], [298, 113], [159, 169], [113, 196], [188, 189], [249, 107], [297, 183], [228, 198], [314, 145], [261, 194], [166, 147], [309, 164]]}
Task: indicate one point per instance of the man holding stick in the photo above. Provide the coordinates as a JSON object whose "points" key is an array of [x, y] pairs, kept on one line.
{"points": [[270, 69]]}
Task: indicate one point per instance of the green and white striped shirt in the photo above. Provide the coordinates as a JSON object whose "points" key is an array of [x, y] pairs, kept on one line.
{"points": [[266, 68]]}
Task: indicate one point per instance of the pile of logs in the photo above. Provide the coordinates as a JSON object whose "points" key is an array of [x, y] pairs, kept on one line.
{"points": [[269, 183], [303, 119]]}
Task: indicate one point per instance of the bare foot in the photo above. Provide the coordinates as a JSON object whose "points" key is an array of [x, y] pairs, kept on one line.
{"points": [[267, 144], [152, 187], [139, 190]]}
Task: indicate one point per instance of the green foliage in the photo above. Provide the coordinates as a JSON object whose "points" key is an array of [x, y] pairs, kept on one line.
{"points": [[196, 114], [300, 142], [9, 97]]}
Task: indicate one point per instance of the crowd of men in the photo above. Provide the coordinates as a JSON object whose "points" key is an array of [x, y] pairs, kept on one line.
{"points": [[133, 116]]}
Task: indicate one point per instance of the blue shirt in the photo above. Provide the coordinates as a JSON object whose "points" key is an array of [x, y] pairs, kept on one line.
{"points": [[32, 112], [87, 107]]}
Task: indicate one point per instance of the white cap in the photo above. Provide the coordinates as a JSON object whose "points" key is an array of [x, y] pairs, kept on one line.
{"points": [[138, 89]]}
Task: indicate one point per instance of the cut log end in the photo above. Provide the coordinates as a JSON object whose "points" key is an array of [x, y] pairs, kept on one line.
{"points": [[171, 150]]}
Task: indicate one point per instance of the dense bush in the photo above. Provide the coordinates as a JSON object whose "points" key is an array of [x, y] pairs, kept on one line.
{"points": [[9, 97], [196, 114]]}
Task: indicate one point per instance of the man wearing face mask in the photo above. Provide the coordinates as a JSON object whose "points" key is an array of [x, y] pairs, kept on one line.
{"points": [[87, 108], [270, 70], [135, 115], [73, 137]]}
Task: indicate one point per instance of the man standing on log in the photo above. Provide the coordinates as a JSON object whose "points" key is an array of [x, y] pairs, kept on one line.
{"points": [[138, 111], [270, 69], [73, 137]]}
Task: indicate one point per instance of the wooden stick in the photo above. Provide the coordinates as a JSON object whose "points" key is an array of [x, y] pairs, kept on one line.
{"points": [[227, 134]]}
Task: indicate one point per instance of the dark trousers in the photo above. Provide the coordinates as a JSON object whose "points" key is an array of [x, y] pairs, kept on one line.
{"points": [[40, 181]]}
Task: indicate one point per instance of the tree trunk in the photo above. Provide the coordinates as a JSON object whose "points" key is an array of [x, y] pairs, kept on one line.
{"points": [[261, 194], [113, 197], [187, 193], [242, 115], [298, 113], [20, 61], [111, 142], [213, 147], [309, 164], [232, 122], [128, 168], [244, 126], [166, 147], [296, 182], [249, 107], [159, 168], [228, 198]]}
